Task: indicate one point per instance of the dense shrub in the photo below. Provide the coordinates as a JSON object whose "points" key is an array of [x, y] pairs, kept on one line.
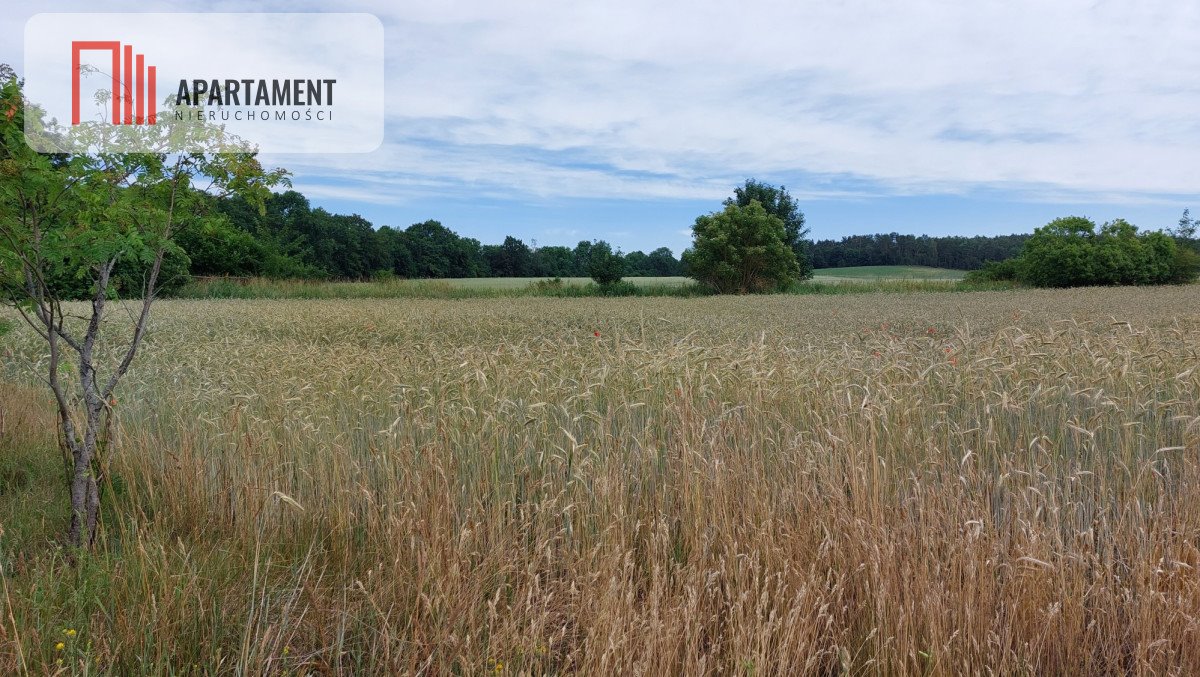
{"points": [[1070, 252], [618, 288], [742, 249], [1186, 265], [993, 271], [605, 266]]}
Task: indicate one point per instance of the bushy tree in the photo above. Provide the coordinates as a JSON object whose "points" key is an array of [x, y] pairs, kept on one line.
{"points": [[779, 203], [604, 265], [213, 247], [663, 263], [1059, 254], [513, 258], [742, 249], [439, 252], [582, 257], [1070, 252], [553, 261]]}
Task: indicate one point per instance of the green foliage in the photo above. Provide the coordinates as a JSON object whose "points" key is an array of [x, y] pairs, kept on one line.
{"points": [[742, 249], [662, 263], [779, 203], [542, 286], [994, 271], [92, 223], [1060, 254], [439, 252], [1186, 231], [554, 261], [215, 247], [83, 224], [619, 288], [1070, 252], [285, 237], [1185, 267], [605, 266], [897, 249], [513, 258]]}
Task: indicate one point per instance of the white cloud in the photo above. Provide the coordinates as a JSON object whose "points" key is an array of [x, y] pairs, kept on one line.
{"points": [[683, 99]]}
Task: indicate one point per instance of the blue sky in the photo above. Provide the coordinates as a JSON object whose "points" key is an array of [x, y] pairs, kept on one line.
{"points": [[557, 121]]}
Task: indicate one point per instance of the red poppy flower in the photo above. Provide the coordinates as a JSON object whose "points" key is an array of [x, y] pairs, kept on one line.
{"points": [[596, 334]]}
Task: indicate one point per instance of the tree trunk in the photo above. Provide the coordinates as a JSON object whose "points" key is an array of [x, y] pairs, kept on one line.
{"points": [[85, 506], [85, 491]]}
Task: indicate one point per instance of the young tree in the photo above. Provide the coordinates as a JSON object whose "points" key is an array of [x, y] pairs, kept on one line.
{"points": [[779, 203], [77, 216], [1185, 233], [742, 250], [604, 265], [1187, 226]]}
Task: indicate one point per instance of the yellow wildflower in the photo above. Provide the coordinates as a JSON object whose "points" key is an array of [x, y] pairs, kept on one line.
{"points": [[60, 646]]}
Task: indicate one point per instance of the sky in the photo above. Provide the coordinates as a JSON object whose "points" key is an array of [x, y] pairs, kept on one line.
{"points": [[624, 120]]}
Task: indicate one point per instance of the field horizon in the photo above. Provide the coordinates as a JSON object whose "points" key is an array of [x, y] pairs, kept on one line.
{"points": [[860, 279]]}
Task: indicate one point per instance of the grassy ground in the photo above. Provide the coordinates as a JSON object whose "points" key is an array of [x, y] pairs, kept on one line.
{"points": [[522, 282], [450, 288], [1000, 482], [887, 273], [828, 281]]}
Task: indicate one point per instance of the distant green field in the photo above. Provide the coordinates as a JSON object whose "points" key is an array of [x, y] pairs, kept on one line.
{"points": [[886, 273]]}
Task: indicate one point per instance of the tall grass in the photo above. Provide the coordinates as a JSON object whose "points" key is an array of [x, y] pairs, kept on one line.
{"points": [[261, 288], [885, 483]]}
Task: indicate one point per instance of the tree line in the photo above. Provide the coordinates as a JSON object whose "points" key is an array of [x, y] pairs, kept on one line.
{"points": [[291, 239], [894, 249]]}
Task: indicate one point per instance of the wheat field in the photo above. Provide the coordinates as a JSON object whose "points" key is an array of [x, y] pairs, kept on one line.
{"points": [[940, 483]]}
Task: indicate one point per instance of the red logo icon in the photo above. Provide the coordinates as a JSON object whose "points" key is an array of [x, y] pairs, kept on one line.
{"points": [[133, 96]]}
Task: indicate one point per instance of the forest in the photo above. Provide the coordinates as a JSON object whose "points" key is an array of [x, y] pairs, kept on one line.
{"points": [[293, 239], [894, 249]]}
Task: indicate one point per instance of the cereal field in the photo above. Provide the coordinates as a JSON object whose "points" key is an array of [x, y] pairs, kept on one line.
{"points": [[937, 483]]}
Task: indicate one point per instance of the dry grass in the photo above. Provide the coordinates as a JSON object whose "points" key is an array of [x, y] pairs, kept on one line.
{"points": [[1000, 482]]}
